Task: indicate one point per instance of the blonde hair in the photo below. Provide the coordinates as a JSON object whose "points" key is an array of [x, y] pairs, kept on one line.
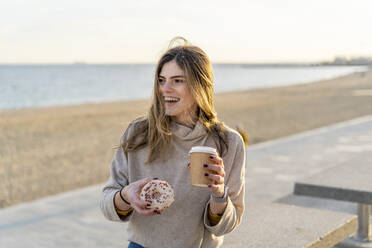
{"points": [[154, 130]]}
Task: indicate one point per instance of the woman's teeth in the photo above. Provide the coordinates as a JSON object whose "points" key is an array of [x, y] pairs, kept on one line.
{"points": [[171, 99]]}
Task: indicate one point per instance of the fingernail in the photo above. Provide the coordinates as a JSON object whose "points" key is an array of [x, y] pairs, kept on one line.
{"points": [[206, 174], [205, 165]]}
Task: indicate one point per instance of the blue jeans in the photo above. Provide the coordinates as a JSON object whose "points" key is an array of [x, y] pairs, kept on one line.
{"points": [[135, 245]]}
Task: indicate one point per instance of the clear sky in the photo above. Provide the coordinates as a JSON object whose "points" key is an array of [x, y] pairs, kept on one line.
{"points": [[138, 31]]}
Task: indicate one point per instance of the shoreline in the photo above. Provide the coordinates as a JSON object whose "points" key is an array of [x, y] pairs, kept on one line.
{"points": [[50, 150], [291, 82]]}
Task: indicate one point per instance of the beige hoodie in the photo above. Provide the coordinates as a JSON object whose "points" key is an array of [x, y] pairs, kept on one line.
{"points": [[185, 223]]}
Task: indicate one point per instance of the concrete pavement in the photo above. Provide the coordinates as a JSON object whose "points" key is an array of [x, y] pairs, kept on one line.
{"points": [[73, 219]]}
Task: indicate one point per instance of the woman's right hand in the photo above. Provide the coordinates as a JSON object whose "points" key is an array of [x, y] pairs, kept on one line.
{"points": [[131, 193]]}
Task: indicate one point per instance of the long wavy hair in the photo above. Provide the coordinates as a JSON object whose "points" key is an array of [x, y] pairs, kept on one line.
{"points": [[154, 129]]}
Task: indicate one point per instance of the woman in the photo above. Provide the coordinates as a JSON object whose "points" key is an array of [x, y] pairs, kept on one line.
{"points": [[156, 146]]}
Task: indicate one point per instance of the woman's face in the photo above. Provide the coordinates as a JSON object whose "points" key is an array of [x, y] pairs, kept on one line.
{"points": [[177, 98]]}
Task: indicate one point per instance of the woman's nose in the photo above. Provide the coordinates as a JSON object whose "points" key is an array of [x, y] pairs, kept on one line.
{"points": [[167, 86]]}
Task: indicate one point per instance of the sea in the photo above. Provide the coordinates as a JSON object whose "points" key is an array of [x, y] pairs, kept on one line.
{"points": [[30, 86]]}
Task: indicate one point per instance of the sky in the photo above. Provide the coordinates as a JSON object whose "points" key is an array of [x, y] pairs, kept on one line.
{"points": [[139, 31]]}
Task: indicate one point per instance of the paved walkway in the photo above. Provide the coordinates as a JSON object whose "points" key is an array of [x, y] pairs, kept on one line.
{"points": [[73, 219]]}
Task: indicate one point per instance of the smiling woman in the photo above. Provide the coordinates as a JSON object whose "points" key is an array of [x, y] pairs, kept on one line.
{"points": [[181, 116]]}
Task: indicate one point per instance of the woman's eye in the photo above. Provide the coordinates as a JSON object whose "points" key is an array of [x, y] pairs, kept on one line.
{"points": [[161, 80], [179, 80]]}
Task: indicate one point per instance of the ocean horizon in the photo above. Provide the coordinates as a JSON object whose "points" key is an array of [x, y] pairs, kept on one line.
{"points": [[29, 86]]}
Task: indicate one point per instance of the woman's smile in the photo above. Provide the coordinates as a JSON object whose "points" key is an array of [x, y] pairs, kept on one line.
{"points": [[171, 100], [170, 103]]}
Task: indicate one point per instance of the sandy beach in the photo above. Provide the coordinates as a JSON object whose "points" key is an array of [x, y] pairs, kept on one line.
{"points": [[50, 150]]}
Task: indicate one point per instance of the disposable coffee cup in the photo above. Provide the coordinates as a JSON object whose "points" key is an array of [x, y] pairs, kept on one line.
{"points": [[200, 155]]}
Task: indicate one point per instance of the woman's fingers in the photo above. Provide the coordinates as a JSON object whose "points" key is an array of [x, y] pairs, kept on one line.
{"points": [[217, 179], [142, 207], [146, 210], [139, 205], [217, 175], [216, 159], [133, 193], [139, 202], [216, 168], [217, 171]]}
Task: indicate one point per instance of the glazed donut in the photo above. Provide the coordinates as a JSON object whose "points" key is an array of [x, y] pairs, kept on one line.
{"points": [[158, 193]]}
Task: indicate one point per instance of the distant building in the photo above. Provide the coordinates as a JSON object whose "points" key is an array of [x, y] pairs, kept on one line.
{"points": [[341, 60], [360, 61]]}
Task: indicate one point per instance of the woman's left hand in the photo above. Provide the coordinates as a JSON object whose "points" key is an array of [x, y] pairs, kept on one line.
{"points": [[217, 187]]}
